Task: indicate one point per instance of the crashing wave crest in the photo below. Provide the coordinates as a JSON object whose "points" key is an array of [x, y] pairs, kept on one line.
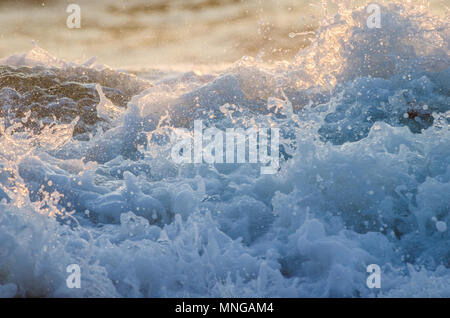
{"points": [[364, 118]]}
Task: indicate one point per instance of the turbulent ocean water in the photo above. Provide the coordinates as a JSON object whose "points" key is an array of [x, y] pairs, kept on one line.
{"points": [[364, 116]]}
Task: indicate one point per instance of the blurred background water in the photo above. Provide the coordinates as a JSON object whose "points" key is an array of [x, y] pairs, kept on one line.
{"points": [[160, 33]]}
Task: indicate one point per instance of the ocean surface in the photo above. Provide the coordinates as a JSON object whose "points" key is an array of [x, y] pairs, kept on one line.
{"points": [[87, 178], [170, 34]]}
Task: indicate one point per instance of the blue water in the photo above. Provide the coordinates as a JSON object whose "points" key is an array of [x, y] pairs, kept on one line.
{"points": [[364, 173]]}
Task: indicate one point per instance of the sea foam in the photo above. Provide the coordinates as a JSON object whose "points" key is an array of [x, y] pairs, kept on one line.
{"points": [[364, 173]]}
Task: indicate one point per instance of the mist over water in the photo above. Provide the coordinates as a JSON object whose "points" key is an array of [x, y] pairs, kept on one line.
{"points": [[86, 175]]}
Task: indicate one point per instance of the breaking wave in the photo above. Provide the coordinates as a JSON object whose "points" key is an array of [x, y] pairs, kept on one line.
{"points": [[86, 176]]}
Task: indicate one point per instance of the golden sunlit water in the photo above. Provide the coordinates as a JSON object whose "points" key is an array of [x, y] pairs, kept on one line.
{"points": [[165, 34]]}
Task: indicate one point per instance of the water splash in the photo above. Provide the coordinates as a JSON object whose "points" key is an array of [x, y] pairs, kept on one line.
{"points": [[364, 130]]}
